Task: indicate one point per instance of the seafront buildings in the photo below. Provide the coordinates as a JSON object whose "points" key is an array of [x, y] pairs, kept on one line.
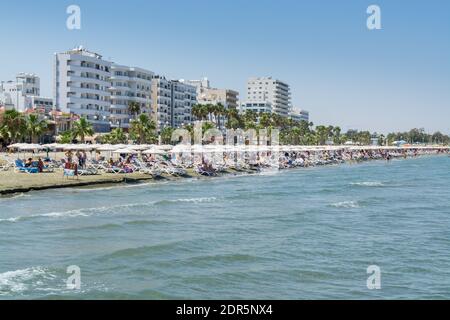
{"points": [[22, 93], [81, 86], [209, 95], [101, 91], [86, 85], [172, 102], [268, 94], [128, 84], [299, 115]]}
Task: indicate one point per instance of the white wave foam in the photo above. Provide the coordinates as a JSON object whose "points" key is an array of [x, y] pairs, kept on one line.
{"points": [[195, 200], [114, 187], [19, 281], [12, 197], [369, 184], [87, 212], [346, 204]]}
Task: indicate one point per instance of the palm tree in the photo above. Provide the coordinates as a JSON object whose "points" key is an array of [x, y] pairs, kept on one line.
{"points": [[265, 119], [166, 135], [220, 111], [134, 108], [35, 127], [337, 135], [250, 118], [321, 134], [12, 126], [233, 119], [197, 111], [82, 128], [117, 135], [143, 129], [66, 137]]}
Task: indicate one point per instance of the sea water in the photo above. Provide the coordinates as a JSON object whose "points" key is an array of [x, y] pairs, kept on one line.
{"points": [[294, 234]]}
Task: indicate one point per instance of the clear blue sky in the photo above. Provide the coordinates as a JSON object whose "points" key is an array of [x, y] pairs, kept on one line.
{"points": [[390, 79]]}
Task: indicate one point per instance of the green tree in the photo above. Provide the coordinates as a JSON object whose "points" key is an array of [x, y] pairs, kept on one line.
{"points": [[116, 136], [35, 127], [134, 108], [166, 135], [13, 126], [322, 134], [66, 137], [82, 128], [143, 129]]}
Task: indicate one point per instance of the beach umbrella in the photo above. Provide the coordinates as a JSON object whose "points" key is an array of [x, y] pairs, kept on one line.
{"points": [[125, 151], [181, 148], [154, 151], [15, 145], [165, 147], [27, 146]]}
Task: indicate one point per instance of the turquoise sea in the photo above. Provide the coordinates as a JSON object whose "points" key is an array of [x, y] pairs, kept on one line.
{"points": [[294, 234]]}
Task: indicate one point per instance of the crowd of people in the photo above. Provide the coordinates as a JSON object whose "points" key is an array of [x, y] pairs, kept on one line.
{"points": [[212, 162]]}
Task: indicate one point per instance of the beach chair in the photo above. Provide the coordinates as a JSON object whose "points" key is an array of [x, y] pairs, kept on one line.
{"points": [[69, 173], [116, 170], [20, 167]]}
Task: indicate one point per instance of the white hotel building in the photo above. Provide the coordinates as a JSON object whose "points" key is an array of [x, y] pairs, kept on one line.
{"points": [[81, 86], [172, 102], [268, 95], [19, 94], [101, 91], [128, 84]]}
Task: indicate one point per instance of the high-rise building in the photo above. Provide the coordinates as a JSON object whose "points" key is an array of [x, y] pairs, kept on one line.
{"points": [[207, 95], [268, 91], [81, 86], [18, 94], [100, 90], [172, 102], [128, 84]]}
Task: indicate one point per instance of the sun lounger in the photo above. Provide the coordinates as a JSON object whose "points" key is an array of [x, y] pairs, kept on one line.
{"points": [[20, 167], [69, 173]]}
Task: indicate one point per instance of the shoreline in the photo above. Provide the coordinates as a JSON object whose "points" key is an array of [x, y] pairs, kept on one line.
{"points": [[95, 180], [30, 182]]}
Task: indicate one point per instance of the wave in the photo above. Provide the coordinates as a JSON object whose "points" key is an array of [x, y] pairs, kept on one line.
{"points": [[18, 281], [369, 184], [87, 212], [193, 200], [140, 251], [41, 282], [13, 196], [346, 204]]}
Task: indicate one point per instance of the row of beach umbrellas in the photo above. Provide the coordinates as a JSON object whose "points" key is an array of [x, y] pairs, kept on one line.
{"points": [[183, 148]]}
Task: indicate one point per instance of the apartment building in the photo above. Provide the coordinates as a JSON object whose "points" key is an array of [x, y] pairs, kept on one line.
{"points": [[299, 115], [208, 95], [81, 86], [42, 104], [128, 84], [172, 102], [269, 91], [18, 94]]}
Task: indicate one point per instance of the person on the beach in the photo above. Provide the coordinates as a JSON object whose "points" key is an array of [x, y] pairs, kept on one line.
{"points": [[40, 165], [29, 162], [83, 159]]}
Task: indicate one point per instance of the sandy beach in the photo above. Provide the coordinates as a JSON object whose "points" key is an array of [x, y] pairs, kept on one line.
{"points": [[14, 182]]}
